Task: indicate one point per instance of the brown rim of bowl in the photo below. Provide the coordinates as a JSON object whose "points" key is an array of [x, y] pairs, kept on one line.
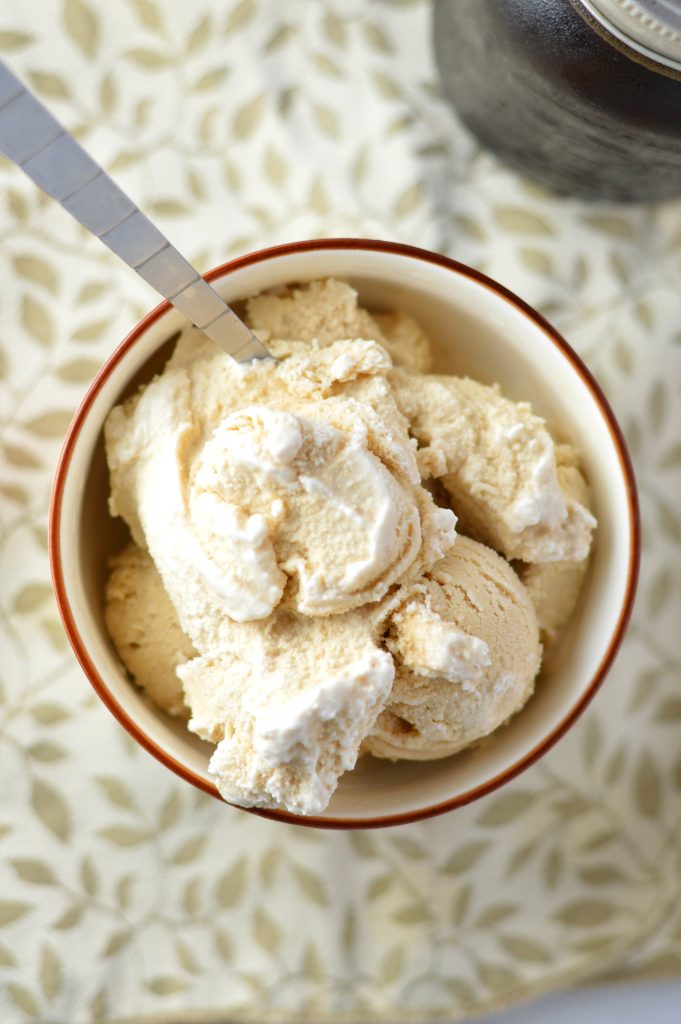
{"points": [[615, 432]]}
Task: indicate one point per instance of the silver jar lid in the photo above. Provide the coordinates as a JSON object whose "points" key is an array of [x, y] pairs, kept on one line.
{"points": [[651, 27]]}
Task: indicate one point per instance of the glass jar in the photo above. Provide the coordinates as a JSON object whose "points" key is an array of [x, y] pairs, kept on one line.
{"points": [[583, 96]]}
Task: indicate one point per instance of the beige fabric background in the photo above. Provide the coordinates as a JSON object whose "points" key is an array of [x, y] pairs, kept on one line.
{"points": [[124, 894]]}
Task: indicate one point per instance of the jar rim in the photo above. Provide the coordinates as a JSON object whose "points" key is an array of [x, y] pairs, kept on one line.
{"points": [[652, 28]]}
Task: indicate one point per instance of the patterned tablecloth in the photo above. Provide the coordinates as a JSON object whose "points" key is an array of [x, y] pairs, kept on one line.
{"points": [[124, 894]]}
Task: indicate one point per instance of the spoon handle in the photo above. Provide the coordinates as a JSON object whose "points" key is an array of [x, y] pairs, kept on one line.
{"points": [[44, 150]]}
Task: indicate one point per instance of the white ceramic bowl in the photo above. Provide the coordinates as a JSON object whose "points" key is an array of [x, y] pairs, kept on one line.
{"points": [[478, 328]]}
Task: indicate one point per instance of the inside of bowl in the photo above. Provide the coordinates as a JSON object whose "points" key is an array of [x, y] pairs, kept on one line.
{"points": [[475, 332]]}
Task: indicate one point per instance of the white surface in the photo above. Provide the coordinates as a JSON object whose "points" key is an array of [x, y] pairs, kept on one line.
{"points": [[622, 1004]]}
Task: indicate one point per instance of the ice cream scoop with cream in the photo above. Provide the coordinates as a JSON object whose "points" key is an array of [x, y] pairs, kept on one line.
{"points": [[322, 600], [499, 464]]}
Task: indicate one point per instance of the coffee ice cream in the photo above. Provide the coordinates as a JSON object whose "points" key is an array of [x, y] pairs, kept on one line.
{"points": [[467, 653], [321, 599], [500, 466]]}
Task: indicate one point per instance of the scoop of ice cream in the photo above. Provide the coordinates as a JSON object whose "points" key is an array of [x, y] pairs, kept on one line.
{"points": [[323, 311], [343, 527], [328, 310], [499, 464], [466, 648], [288, 706], [145, 629]]}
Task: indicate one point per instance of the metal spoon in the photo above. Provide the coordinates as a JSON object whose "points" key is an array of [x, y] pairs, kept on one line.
{"points": [[40, 146]]}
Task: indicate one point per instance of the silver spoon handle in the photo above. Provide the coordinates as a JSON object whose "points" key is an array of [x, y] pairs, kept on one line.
{"points": [[37, 142]]}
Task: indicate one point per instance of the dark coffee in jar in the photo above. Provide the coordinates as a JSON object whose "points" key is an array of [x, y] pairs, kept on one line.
{"points": [[583, 97]]}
